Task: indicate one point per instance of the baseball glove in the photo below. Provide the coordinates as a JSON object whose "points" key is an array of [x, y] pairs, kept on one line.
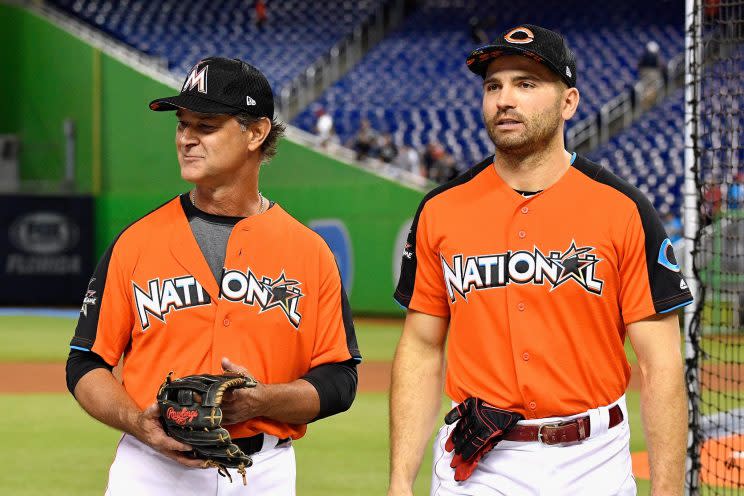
{"points": [[190, 412], [481, 426]]}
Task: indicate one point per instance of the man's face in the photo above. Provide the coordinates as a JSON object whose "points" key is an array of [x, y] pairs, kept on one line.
{"points": [[523, 104], [211, 147]]}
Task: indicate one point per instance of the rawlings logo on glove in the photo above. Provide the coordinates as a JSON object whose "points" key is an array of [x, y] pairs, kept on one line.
{"points": [[181, 418], [190, 412], [481, 426]]}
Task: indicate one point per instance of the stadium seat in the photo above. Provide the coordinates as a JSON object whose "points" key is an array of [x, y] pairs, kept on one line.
{"points": [[420, 68], [296, 34]]}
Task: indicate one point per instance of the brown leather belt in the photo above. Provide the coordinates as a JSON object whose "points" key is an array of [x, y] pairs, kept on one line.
{"points": [[564, 431]]}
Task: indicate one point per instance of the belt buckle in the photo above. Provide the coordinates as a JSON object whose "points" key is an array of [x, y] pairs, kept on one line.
{"points": [[557, 423]]}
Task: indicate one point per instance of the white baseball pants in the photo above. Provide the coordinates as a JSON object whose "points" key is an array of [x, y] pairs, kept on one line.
{"points": [[597, 466], [138, 469]]}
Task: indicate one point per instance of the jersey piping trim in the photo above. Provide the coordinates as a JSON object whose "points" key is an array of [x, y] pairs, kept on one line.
{"points": [[405, 289], [676, 307]]}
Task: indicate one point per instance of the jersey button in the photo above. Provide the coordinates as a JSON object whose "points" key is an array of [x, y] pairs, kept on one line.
{"points": [[226, 322], [533, 405], [521, 306], [525, 210], [522, 234], [525, 356]]}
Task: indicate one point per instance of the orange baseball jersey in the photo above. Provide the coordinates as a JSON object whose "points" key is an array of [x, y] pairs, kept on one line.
{"points": [[279, 308], [539, 289]]}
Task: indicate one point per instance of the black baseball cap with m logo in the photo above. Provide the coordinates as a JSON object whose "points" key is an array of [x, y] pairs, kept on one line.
{"points": [[218, 85]]}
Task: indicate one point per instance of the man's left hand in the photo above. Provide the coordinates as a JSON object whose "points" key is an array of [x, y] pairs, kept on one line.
{"points": [[239, 405]]}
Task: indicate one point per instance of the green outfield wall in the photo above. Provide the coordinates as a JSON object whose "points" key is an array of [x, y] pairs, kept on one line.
{"points": [[46, 78], [126, 155]]}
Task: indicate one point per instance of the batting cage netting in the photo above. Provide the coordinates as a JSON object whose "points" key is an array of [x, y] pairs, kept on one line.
{"points": [[714, 228]]}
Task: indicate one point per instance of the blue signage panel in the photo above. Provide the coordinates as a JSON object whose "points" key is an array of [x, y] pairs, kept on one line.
{"points": [[335, 234]]}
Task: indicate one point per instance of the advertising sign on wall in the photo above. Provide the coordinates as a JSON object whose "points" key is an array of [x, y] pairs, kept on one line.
{"points": [[46, 249]]}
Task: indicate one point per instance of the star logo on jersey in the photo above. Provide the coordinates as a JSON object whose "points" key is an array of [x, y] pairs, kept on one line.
{"points": [[265, 292], [89, 299], [575, 266], [283, 293]]}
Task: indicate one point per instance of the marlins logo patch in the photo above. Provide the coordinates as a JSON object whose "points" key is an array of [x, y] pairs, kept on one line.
{"points": [[479, 272]]}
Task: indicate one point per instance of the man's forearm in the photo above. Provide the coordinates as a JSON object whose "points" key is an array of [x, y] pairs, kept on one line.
{"points": [[295, 402], [664, 414], [415, 398], [104, 398]]}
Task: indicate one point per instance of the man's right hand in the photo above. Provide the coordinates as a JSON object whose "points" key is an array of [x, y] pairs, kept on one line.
{"points": [[150, 431], [104, 398]]}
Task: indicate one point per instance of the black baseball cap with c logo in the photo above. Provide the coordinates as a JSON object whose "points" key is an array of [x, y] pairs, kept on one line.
{"points": [[541, 44], [218, 85]]}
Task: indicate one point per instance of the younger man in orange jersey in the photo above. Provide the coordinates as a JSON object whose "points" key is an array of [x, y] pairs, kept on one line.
{"points": [[218, 278], [534, 265]]}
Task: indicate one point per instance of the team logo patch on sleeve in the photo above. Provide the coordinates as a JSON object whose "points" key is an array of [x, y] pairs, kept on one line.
{"points": [[89, 299], [267, 293], [576, 264], [666, 256]]}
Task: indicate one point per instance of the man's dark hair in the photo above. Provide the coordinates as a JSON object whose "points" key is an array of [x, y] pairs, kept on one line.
{"points": [[268, 147]]}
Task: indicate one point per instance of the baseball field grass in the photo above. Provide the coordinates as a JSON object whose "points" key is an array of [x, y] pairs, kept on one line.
{"points": [[65, 452]]}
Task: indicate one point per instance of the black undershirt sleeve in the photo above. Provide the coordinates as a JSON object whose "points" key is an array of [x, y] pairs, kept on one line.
{"points": [[80, 363], [336, 384]]}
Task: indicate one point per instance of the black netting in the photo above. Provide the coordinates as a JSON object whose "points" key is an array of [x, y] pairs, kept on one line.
{"points": [[715, 369]]}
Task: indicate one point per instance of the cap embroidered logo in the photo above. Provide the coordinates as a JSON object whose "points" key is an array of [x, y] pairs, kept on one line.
{"points": [[196, 79], [218, 85], [520, 35]]}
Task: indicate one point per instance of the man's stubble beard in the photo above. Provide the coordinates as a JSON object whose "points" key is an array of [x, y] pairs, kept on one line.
{"points": [[539, 131]]}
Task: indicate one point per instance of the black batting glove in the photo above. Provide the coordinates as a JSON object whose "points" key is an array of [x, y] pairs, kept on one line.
{"points": [[480, 426]]}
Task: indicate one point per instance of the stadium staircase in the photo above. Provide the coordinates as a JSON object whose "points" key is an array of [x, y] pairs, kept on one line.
{"points": [[415, 85]]}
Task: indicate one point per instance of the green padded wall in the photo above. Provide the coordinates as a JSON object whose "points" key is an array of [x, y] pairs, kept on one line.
{"points": [[133, 150]]}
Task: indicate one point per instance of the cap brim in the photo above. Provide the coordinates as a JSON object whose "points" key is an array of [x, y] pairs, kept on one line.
{"points": [[193, 103], [480, 58]]}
